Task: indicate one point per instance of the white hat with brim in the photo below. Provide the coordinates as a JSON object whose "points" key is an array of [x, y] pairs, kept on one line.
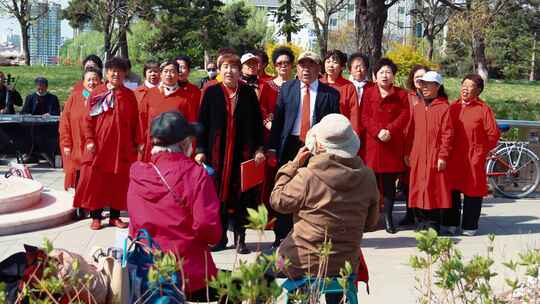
{"points": [[432, 76], [308, 55], [247, 57], [334, 132]]}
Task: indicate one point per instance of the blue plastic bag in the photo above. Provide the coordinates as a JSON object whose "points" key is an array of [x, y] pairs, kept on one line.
{"points": [[138, 258]]}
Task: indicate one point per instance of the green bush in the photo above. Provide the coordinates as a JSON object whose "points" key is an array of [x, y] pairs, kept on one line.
{"points": [[443, 276], [406, 57]]}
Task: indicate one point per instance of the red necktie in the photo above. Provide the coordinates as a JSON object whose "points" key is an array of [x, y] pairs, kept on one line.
{"points": [[306, 117]]}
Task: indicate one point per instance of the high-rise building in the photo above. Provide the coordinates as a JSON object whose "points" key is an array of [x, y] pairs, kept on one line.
{"points": [[44, 33], [401, 26]]}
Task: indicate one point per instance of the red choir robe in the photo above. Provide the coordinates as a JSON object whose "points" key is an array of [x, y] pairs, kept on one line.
{"points": [[429, 138], [391, 113], [155, 103], [71, 135], [476, 133], [348, 101], [268, 100], [193, 97], [140, 92], [116, 135], [264, 77]]}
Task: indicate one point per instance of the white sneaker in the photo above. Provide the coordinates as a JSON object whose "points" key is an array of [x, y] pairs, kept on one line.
{"points": [[468, 232]]}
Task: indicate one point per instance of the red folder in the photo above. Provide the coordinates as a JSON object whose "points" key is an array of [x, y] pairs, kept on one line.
{"points": [[251, 174]]}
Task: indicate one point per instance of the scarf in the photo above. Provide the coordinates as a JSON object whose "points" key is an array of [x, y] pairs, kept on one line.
{"points": [[251, 80], [168, 90], [103, 102], [149, 85]]}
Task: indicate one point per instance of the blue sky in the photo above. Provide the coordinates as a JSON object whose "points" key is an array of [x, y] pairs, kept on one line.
{"points": [[8, 24]]}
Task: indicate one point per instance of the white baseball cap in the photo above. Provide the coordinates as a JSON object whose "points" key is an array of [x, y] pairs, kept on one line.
{"points": [[247, 57], [432, 76]]}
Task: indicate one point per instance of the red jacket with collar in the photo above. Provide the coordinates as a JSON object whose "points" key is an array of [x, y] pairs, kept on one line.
{"points": [[184, 223]]}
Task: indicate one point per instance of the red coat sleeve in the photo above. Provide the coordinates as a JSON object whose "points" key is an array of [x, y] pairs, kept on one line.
{"points": [[492, 130], [88, 127], [409, 135], [446, 137], [206, 205], [65, 125], [403, 118]]}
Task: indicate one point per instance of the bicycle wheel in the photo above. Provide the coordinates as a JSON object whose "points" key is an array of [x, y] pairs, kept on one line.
{"points": [[514, 171]]}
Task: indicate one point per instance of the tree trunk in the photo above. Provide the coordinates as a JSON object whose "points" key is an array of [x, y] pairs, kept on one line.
{"points": [[123, 44], [25, 43], [431, 41], [370, 18], [479, 48], [323, 42], [288, 17], [532, 75]]}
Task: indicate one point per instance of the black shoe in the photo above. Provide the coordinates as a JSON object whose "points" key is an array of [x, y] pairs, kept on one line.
{"points": [[389, 224], [29, 159], [240, 243], [222, 245], [241, 248], [80, 214]]}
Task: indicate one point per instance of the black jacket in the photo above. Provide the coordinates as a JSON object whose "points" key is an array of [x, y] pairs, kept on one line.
{"points": [[13, 98], [248, 137], [39, 105], [287, 106]]}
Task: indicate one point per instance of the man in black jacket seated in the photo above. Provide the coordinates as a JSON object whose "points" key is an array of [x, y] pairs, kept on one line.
{"points": [[9, 97], [44, 137]]}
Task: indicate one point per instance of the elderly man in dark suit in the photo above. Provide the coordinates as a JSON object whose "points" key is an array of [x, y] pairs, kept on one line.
{"points": [[302, 103]]}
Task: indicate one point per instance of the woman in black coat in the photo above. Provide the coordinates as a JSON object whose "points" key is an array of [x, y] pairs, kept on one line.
{"points": [[232, 133]]}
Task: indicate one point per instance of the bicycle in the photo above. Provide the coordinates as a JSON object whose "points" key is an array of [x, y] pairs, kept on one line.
{"points": [[513, 170]]}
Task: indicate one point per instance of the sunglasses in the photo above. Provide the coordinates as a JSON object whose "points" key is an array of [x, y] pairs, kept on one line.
{"points": [[283, 63], [211, 69]]}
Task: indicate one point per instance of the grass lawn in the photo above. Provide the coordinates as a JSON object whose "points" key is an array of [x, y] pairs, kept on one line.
{"points": [[509, 99]]}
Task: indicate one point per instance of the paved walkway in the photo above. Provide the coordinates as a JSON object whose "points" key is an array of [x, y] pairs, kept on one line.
{"points": [[516, 224]]}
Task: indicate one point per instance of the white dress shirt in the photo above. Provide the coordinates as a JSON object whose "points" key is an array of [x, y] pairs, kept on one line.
{"points": [[313, 87], [359, 85]]}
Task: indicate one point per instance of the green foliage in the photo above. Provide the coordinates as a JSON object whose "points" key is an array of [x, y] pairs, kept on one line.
{"points": [[407, 56], [510, 43], [288, 19], [258, 219], [270, 47], [3, 293], [165, 265], [75, 50], [443, 276], [191, 27]]}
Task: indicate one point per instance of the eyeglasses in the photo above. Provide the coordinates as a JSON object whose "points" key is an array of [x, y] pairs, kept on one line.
{"points": [[283, 63]]}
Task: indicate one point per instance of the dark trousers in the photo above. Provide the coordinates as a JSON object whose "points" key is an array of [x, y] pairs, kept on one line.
{"points": [[428, 218], [96, 214], [284, 222], [387, 187], [472, 207]]}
